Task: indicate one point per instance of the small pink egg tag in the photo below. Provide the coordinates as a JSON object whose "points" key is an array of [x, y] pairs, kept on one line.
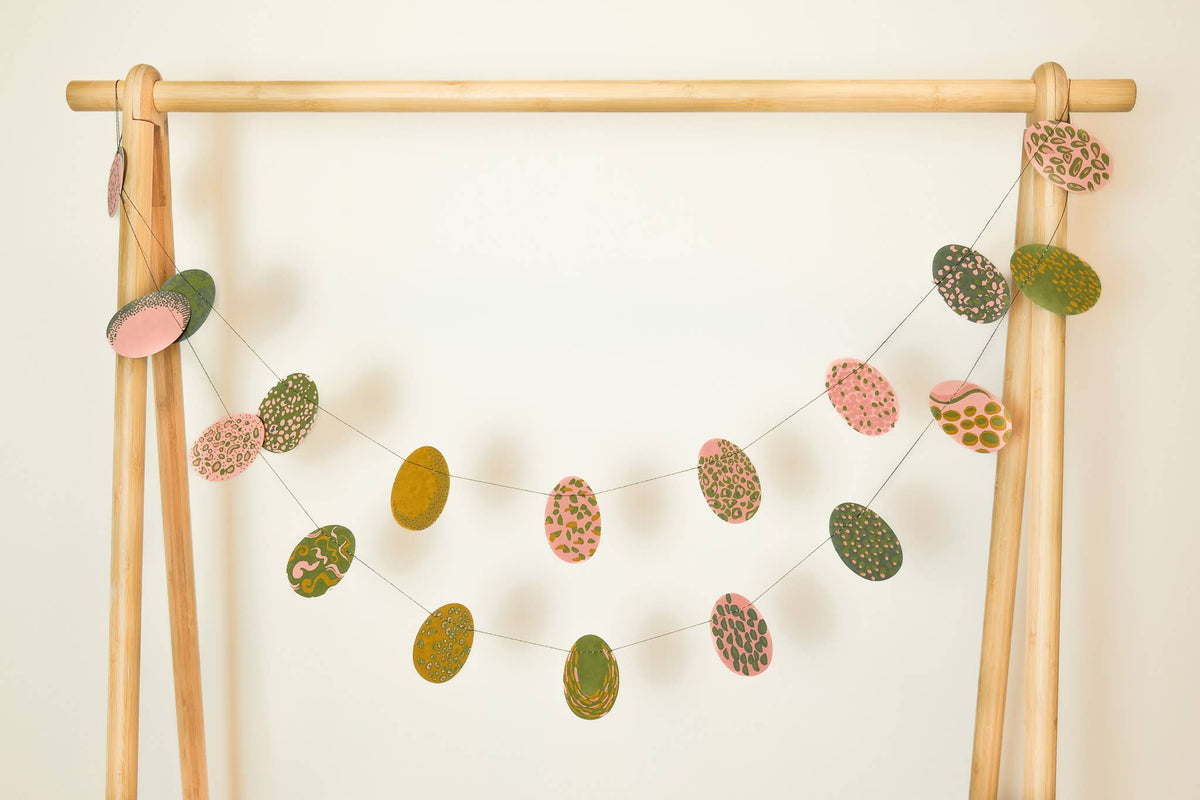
{"points": [[116, 181]]}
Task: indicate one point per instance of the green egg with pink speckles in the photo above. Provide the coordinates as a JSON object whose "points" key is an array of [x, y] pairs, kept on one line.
{"points": [[866, 544], [199, 289], [288, 412]]}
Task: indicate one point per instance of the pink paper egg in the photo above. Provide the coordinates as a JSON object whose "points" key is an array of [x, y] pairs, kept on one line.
{"points": [[573, 520], [1067, 156], [116, 182], [728, 481], [862, 396], [149, 324], [740, 635], [971, 415], [228, 447]]}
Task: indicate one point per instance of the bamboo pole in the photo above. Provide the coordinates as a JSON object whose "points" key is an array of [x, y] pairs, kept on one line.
{"points": [[129, 463], [1048, 340], [176, 508], [1008, 507], [1016, 96]]}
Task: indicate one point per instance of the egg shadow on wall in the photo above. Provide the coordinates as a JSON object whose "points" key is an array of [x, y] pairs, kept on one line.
{"points": [[786, 459], [520, 612], [501, 459], [367, 403], [646, 507], [663, 661], [800, 607]]}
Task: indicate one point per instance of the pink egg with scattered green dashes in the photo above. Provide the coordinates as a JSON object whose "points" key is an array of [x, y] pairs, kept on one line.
{"points": [[862, 396]]}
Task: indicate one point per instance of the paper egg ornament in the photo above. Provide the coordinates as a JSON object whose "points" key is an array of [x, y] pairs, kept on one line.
{"points": [[116, 182], [590, 678], [970, 284], [321, 560], [288, 412], [1055, 279], [729, 481], [198, 288], [971, 415], [420, 489], [149, 324], [227, 447], [740, 635], [865, 543], [1067, 156], [863, 397], [573, 520], [443, 643]]}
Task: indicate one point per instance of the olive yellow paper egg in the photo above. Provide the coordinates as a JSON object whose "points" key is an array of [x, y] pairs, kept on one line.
{"points": [[421, 488], [443, 643]]}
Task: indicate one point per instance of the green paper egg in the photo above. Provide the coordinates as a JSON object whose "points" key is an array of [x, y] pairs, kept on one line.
{"points": [[321, 560], [198, 289], [288, 412], [865, 543], [443, 643], [590, 678], [1055, 279], [970, 284]]}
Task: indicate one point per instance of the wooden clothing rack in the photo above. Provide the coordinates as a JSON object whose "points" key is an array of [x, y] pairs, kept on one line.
{"points": [[1033, 367]]}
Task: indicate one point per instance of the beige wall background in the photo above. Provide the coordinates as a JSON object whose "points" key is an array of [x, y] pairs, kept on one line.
{"points": [[548, 295]]}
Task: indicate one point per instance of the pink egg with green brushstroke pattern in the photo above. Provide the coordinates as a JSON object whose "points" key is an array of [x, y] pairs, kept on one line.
{"points": [[573, 520]]}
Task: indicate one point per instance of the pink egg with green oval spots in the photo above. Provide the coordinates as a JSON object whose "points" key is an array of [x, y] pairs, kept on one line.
{"points": [[740, 635], [971, 415], [1067, 156]]}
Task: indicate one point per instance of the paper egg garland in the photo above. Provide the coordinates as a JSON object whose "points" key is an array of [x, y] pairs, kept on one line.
{"points": [[970, 284], [740, 635], [1067, 156], [148, 324], [227, 447], [198, 288], [863, 397], [443, 643], [573, 520], [116, 182], [321, 560], [421, 488], [865, 543], [590, 678], [1055, 279], [729, 481], [971, 415], [288, 412]]}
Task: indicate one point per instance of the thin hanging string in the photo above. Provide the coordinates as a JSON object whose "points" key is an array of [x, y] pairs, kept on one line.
{"points": [[655, 637], [357, 557], [117, 111]]}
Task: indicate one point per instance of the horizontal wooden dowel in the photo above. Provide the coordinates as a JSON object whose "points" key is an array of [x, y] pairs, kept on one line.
{"points": [[1016, 96]]}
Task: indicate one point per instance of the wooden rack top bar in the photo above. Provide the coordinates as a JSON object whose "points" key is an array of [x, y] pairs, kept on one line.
{"points": [[1015, 96]]}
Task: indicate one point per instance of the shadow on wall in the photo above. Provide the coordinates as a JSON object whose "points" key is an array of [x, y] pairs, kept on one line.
{"points": [[212, 191]]}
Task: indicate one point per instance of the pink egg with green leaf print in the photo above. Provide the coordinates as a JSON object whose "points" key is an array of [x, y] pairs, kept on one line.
{"points": [[971, 415], [1067, 156], [862, 396], [573, 520], [740, 635]]}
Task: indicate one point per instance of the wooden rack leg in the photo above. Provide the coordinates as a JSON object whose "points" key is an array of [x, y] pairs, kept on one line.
{"points": [[129, 466], [176, 510], [1048, 341], [1008, 506]]}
